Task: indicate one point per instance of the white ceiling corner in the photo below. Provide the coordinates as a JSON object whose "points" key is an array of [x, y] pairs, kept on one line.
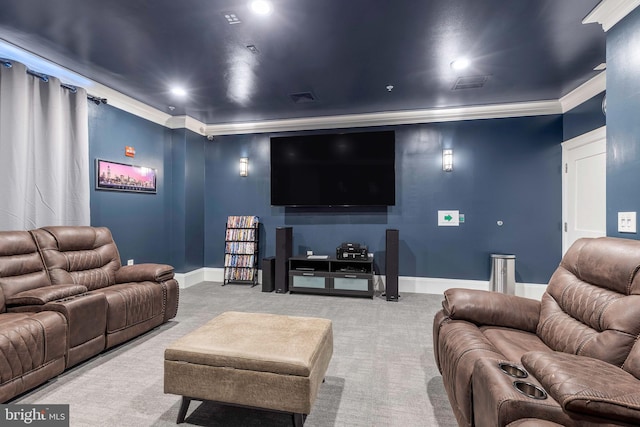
{"points": [[609, 12], [584, 92]]}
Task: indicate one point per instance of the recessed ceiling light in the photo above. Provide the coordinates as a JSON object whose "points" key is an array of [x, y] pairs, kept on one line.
{"points": [[460, 64], [178, 91], [261, 7]]}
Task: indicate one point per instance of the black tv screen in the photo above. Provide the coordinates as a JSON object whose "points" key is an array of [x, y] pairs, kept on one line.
{"points": [[345, 169]]}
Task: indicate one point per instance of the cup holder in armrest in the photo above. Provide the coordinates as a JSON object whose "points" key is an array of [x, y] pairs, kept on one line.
{"points": [[513, 370], [530, 390]]}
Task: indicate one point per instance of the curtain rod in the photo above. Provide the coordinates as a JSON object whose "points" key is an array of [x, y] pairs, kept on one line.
{"points": [[45, 78], [96, 99]]}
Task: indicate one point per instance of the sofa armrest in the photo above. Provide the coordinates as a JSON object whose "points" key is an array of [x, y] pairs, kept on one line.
{"points": [[492, 308], [585, 385], [144, 272], [41, 296]]}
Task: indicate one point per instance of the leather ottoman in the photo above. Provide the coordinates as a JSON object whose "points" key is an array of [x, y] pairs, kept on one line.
{"points": [[257, 360]]}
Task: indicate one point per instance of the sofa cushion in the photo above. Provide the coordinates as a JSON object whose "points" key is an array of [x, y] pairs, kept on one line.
{"points": [[30, 340], [606, 262], [81, 255], [513, 343], [129, 304], [589, 305], [21, 267]]}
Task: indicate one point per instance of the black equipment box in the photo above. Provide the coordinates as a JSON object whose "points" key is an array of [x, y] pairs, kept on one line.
{"points": [[352, 251]]}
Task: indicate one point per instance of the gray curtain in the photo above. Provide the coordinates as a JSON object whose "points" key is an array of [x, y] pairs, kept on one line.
{"points": [[44, 152]]}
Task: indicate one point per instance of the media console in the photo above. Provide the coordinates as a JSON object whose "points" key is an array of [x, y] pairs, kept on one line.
{"points": [[331, 276]]}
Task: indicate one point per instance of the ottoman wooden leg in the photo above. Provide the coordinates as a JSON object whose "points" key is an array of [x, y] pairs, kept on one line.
{"points": [[184, 406], [298, 420]]}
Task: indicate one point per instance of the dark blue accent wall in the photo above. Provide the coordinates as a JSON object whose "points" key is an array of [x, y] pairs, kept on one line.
{"points": [[166, 227], [623, 126], [584, 118], [504, 169], [137, 221], [187, 203]]}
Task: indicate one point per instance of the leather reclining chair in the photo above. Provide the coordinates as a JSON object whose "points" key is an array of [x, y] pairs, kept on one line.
{"points": [[74, 273], [32, 345], [138, 297], [571, 359]]}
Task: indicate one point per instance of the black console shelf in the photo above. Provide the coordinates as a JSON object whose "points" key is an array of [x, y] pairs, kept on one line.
{"points": [[331, 276]]}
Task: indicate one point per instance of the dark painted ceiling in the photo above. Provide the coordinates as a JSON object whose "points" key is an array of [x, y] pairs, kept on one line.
{"points": [[344, 52]]}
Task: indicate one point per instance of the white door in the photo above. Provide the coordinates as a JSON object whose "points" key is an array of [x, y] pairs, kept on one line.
{"points": [[584, 207]]}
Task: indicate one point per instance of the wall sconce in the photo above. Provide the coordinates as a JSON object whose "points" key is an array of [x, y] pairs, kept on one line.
{"points": [[244, 166], [447, 160]]}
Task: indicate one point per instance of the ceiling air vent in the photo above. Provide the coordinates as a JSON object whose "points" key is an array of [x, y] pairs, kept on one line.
{"points": [[231, 18], [471, 82], [302, 97]]}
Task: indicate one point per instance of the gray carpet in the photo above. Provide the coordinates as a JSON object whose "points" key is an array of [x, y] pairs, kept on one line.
{"points": [[382, 372]]}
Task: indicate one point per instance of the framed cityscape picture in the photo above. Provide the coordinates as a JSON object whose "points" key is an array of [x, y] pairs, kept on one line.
{"points": [[123, 177]]}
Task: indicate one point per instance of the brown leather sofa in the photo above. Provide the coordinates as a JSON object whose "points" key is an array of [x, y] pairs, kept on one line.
{"points": [[69, 282], [571, 359]]}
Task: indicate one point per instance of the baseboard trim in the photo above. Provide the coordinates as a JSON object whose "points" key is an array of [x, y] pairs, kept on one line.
{"points": [[407, 284], [191, 278]]}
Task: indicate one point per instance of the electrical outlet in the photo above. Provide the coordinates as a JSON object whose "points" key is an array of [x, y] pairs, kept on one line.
{"points": [[129, 262], [626, 222]]}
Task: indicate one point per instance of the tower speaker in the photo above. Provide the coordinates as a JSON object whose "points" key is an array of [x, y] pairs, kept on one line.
{"points": [[284, 250], [391, 264], [268, 274]]}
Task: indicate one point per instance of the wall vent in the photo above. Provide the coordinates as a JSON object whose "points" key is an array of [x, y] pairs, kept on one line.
{"points": [[302, 97], [471, 82]]}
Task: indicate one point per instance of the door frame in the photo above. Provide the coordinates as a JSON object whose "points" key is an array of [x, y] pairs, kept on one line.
{"points": [[591, 137]]}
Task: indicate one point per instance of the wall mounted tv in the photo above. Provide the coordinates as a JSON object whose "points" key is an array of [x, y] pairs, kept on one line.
{"points": [[340, 169]]}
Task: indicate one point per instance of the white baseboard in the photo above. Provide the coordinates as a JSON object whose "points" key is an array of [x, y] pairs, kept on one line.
{"points": [[408, 284], [191, 278], [437, 286]]}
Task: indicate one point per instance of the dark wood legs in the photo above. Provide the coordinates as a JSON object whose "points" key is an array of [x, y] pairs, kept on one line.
{"points": [[184, 406], [298, 419]]}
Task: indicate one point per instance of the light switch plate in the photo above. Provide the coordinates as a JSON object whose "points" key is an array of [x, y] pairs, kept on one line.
{"points": [[627, 222]]}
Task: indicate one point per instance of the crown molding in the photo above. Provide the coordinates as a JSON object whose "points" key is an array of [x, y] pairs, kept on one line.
{"points": [[520, 109], [609, 12], [186, 122], [584, 92], [128, 104]]}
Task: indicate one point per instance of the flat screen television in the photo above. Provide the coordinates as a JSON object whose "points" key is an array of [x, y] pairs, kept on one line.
{"points": [[339, 169]]}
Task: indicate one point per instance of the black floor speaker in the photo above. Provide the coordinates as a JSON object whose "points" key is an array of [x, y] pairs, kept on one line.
{"points": [[391, 264], [268, 274], [284, 250]]}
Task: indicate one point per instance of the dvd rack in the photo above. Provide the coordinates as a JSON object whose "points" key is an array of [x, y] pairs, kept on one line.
{"points": [[241, 250]]}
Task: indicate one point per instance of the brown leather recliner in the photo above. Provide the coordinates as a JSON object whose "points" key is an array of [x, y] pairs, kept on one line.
{"points": [[572, 358], [139, 297], [74, 273], [32, 345]]}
